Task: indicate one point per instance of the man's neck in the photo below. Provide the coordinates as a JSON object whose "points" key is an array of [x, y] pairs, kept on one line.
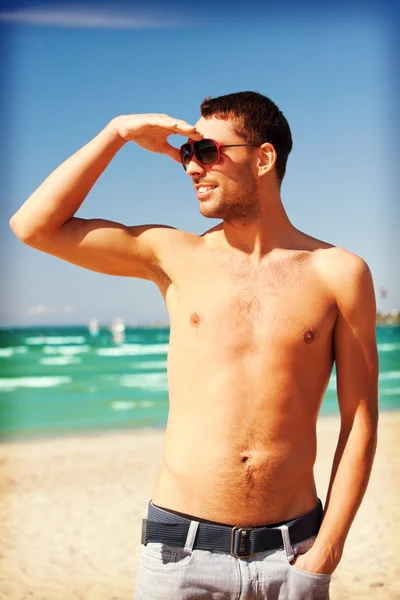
{"points": [[271, 230]]}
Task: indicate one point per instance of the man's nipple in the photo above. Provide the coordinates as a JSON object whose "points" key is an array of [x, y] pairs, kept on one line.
{"points": [[194, 320], [309, 336]]}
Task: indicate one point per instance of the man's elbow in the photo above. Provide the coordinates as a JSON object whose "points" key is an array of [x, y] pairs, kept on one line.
{"points": [[16, 228], [22, 232]]}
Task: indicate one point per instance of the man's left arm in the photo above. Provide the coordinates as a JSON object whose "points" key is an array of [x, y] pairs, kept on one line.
{"points": [[356, 360]]}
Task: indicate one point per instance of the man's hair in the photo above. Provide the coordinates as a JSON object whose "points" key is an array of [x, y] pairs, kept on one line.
{"points": [[255, 118]]}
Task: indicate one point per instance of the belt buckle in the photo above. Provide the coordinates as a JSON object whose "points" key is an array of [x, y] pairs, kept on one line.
{"points": [[242, 542]]}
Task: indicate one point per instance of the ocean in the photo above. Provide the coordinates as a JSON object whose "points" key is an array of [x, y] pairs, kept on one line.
{"points": [[61, 380]]}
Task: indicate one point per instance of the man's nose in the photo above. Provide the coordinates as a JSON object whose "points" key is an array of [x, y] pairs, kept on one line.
{"points": [[194, 167]]}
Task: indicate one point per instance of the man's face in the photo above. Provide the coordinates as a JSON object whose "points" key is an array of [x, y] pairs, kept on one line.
{"points": [[228, 190]]}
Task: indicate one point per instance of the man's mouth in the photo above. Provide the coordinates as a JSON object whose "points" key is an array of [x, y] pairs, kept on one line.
{"points": [[204, 191]]}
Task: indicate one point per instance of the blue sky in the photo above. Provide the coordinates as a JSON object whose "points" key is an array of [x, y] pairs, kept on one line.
{"points": [[68, 72]]}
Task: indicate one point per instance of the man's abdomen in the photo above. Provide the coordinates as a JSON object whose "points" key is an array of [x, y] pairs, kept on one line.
{"points": [[237, 477]]}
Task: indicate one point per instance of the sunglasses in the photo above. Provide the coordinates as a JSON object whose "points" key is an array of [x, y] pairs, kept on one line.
{"points": [[207, 151]]}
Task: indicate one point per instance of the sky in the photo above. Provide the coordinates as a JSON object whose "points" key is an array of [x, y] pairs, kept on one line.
{"points": [[68, 71]]}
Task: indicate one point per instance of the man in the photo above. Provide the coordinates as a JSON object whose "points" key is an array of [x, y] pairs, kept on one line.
{"points": [[259, 312]]}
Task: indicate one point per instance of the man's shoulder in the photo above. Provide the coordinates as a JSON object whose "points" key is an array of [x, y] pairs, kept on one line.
{"points": [[333, 259], [340, 261], [344, 272]]}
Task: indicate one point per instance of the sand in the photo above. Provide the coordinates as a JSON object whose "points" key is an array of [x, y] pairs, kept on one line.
{"points": [[71, 510]]}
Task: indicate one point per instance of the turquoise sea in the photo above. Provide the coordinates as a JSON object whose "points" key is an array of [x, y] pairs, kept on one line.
{"points": [[57, 380]]}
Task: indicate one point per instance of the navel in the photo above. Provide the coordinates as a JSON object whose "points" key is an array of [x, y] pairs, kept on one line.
{"points": [[194, 319], [309, 336]]}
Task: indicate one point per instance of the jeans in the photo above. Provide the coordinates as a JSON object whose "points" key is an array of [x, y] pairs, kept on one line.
{"points": [[170, 573]]}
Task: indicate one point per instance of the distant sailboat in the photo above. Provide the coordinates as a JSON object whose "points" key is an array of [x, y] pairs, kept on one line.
{"points": [[93, 327], [118, 330]]}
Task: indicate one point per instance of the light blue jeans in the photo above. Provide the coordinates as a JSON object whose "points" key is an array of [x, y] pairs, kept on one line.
{"points": [[169, 573]]}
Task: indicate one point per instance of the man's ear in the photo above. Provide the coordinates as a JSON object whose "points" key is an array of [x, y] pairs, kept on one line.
{"points": [[267, 160]]}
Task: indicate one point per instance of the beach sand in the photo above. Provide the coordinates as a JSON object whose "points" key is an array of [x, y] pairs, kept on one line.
{"points": [[71, 510]]}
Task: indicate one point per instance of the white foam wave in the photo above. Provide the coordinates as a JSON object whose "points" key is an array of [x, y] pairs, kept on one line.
{"points": [[6, 352], [149, 365], [134, 350], [126, 405], [123, 405], [148, 381], [60, 360], [66, 350], [390, 392], [390, 375], [388, 347], [9, 384], [11, 350], [55, 340], [145, 380]]}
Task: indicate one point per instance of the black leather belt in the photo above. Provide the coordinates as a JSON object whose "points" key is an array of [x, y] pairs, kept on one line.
{"points": [[238, 541]]}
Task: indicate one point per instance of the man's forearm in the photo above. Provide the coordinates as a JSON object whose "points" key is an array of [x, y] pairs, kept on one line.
{"points": [[59, 197], [349, 479]]}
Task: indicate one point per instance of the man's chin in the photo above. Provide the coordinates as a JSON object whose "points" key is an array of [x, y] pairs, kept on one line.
{"points": [[209, 212]]}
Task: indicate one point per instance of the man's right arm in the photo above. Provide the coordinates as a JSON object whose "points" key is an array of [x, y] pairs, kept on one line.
{"points": [[46, 220]]}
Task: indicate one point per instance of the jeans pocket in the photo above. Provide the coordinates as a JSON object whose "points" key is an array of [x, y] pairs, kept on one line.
{"points": [[300, 572], [158, 556]]}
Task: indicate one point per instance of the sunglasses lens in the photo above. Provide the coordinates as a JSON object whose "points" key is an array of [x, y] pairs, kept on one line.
{"points": [[206, 151], [186, 153]]}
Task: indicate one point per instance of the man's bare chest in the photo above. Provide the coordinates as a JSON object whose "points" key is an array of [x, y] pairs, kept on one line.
{"points": [[275, 303]]}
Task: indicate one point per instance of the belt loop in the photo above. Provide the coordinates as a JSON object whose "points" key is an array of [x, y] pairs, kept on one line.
{"points": [[144, 528], [286, 542], [191, 535]]}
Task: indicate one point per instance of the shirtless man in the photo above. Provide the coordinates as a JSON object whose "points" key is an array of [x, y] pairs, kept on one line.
{"points": [[259, 312]]}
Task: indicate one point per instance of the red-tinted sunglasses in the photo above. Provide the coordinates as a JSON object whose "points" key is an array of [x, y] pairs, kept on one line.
{"points": [[207, 151]]}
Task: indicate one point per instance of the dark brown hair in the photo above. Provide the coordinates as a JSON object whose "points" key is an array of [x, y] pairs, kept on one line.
{"points": [[255, 118]]}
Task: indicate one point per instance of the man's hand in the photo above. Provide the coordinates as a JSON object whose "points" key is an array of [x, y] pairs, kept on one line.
{"points": [[313, 562], [150, 131]]}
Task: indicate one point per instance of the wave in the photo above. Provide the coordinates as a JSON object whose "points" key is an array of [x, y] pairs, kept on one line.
{"points": [[390, 392], [151, 364], [60, 360], [126, 405], [66, 350], [10, 384], [149, 381], [390, 375], [133, 350], [55, 340], [10, 351], [388, 347]]}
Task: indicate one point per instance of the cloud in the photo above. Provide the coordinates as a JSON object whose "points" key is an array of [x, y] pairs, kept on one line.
{"points": [[89, 17], [40, 309]]}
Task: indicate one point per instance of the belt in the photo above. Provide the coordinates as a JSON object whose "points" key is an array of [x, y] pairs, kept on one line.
{"points": [[237, 541]]}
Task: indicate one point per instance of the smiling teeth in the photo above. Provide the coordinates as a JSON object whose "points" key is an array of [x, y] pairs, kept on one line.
{"points": [[205, 188]]}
